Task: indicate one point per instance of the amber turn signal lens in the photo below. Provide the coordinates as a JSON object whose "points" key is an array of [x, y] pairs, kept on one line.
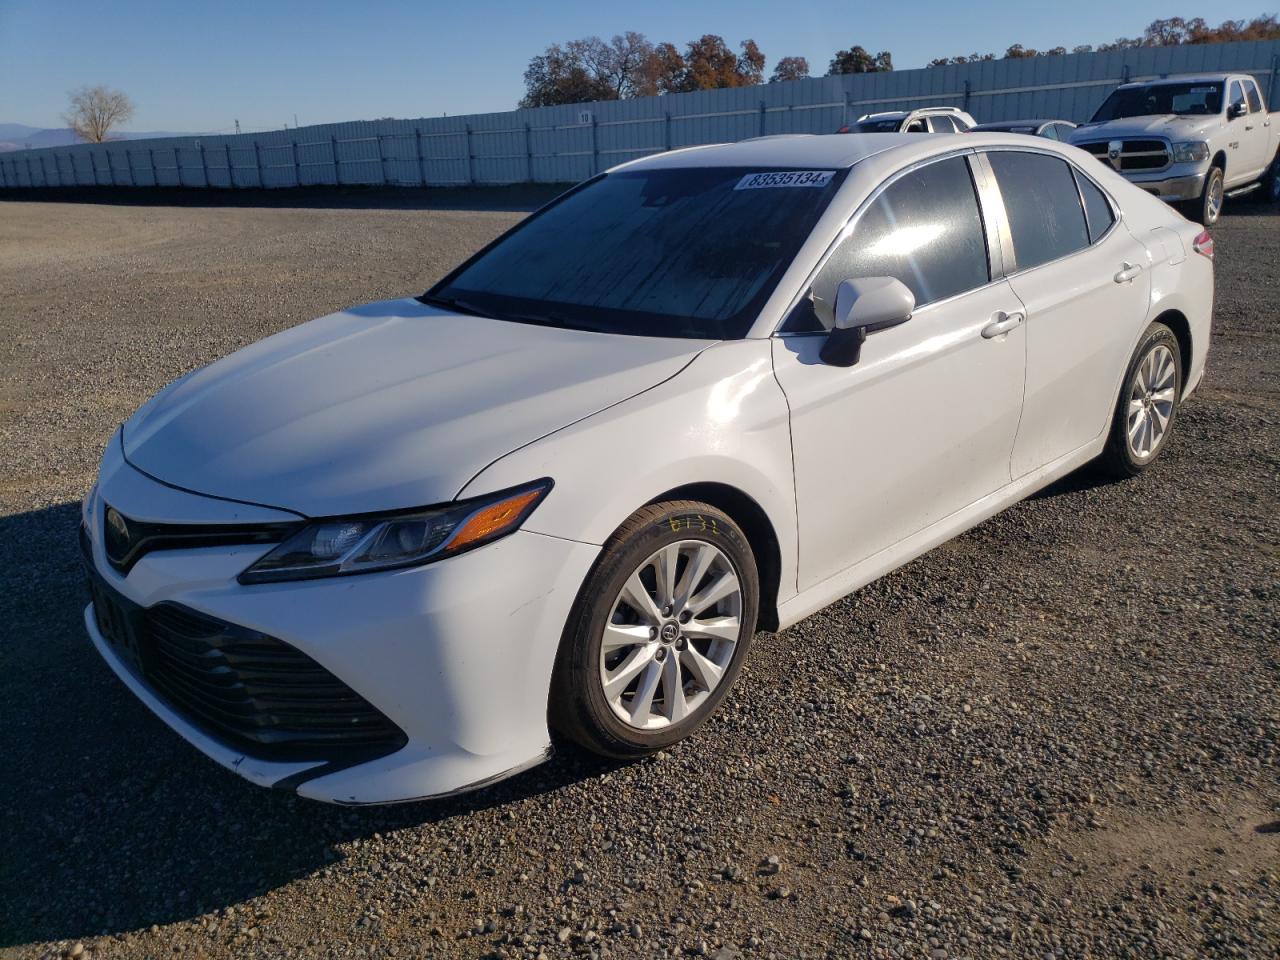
{"points": [[494, 520]]}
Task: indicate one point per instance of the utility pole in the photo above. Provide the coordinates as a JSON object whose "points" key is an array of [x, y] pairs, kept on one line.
{"points": [[295, 121]]}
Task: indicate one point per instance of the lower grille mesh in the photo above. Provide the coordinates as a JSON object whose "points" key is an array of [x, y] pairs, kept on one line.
{"points": [[245, 688]]}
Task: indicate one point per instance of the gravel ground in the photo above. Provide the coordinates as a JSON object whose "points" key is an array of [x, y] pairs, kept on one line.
{"points": [[1056, 736]]}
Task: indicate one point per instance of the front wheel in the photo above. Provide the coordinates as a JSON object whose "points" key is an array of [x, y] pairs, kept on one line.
{"points": [[1147, 406], [1208, 208], [658, 632]]}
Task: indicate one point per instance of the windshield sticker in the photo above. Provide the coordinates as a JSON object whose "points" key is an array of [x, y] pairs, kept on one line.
{"points": [[786, 178], [1204, 89]]}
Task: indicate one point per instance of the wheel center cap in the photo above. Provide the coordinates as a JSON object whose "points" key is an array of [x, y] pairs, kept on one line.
{"points": [[669, 632]]}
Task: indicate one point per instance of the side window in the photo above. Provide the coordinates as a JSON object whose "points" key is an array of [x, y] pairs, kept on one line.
{"points": [[1096, 208], [916, 126], [1255, 98], [1237, 96], [1045, 216], [924, 229], [1050, 130], [942, 124]]}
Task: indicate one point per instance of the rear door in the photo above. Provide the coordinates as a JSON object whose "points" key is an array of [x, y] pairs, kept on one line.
{"points": [[1085, 286], [1257, 131]]}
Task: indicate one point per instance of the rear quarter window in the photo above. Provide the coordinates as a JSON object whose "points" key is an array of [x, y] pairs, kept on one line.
{"points": [[1046, 218], [1097, 210]]}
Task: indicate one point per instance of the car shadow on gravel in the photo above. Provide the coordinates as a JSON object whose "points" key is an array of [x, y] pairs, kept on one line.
{"points": [[1087, 477], [111, 821], [513, 198]]}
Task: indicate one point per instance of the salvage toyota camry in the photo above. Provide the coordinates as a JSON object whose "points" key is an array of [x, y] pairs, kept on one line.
{"points": [[380, 556]]}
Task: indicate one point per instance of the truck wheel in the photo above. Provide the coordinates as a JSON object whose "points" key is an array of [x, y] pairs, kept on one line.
{"points": [[1208, 208], [1269, 192]]}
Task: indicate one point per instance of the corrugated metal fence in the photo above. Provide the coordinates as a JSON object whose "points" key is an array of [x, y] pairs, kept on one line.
{"points": [[570, 143]]}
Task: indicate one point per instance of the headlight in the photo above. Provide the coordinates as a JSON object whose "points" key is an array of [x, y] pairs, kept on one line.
{"points": [[345, 545], [1191, 151]]}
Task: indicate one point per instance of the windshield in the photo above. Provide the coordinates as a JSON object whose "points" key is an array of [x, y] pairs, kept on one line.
{"points": [[671, 253], [890, 125], [1188, 99]]}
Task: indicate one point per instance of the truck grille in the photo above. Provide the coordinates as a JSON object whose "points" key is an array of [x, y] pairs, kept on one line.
{"points": [[1131, 156], [244, 688]]}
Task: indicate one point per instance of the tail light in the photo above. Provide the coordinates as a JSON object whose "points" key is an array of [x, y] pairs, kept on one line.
{"points": [[1203, 244]]}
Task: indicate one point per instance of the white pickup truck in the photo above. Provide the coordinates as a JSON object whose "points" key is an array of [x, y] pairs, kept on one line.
{"points": [[1191, 140]]}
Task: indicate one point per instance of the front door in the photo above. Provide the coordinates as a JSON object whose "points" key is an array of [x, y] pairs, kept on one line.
{"points": [[924, 423]]}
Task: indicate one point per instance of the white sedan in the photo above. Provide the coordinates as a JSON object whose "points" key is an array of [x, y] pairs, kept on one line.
{"points": [[382, 555]]}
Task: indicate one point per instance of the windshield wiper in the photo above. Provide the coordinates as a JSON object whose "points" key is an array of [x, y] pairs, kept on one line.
{"points": [[460, 305], [555, 320], [456, 304]]}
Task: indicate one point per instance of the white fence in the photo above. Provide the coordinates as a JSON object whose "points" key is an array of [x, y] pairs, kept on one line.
{"points": [[570, 143]]}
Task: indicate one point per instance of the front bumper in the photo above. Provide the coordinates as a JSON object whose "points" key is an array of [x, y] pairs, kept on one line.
{"points": [[1170, 185], [457, 654]]}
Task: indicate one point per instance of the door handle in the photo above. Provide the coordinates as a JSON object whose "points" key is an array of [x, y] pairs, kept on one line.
{"points": [[1002, 322], [1128, 271]]}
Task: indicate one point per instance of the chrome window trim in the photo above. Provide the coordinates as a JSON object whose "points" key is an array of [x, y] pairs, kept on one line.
{"points": [[991, 202], [804, 288], [1116, 212]]}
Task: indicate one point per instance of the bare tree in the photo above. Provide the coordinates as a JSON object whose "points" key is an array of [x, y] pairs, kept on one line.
{"points": [[95, 110]]}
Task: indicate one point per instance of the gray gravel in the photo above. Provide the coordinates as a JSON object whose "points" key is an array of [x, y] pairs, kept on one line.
{"points": [[1053, 737]]}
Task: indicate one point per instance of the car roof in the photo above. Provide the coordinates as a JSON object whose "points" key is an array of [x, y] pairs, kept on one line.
{"points": [[796, 150], [822, 151], [899, 114], [1036, 122]]}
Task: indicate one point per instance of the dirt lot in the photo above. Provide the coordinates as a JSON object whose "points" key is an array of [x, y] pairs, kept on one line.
{"points": [[1054, 737]]}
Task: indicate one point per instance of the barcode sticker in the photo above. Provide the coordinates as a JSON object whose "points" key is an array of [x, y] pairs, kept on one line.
{"points": [[786, 178]]}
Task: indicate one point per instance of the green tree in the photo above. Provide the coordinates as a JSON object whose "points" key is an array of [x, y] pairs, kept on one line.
{"points": [[790, 68], [857, 60]]}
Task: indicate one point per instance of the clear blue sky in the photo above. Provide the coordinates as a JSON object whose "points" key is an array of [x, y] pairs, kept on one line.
{"points": [[199, 65]]}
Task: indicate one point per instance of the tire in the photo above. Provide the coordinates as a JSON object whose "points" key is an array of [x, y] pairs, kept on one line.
{"points": [[617, 722], [1158, 357], [1208, 208], [1269, 192]]}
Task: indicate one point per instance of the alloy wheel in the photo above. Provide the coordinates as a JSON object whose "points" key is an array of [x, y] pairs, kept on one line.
{"points": [[1151, 401], [671, 634], [1214, 206]]}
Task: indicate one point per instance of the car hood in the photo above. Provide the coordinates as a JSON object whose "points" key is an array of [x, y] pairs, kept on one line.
{"points": [[1167, 125], [384, 406]]}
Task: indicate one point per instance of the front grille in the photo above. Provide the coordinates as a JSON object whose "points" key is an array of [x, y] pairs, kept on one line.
{"points": [[126, 540], [244, 688], [1134, 155]]}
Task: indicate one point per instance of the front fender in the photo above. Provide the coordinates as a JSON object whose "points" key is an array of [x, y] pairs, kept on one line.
{"points": [[722, 420]]}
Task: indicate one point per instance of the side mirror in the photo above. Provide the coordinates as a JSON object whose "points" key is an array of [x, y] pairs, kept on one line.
{"points": [[1236, 110], [863, 307]]}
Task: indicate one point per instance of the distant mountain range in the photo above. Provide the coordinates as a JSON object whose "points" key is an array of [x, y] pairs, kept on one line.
{"points": [[18, 136]]}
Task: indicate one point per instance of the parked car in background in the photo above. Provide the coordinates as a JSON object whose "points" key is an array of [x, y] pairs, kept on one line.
{"points": [[928, 120], [1191, 140], [1050, 129], [373, 557]]}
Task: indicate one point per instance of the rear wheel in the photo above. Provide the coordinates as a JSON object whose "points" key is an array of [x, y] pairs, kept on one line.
{"points": [[1269, 192], [1208, 208], [1147, 406], [658, 633]]}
